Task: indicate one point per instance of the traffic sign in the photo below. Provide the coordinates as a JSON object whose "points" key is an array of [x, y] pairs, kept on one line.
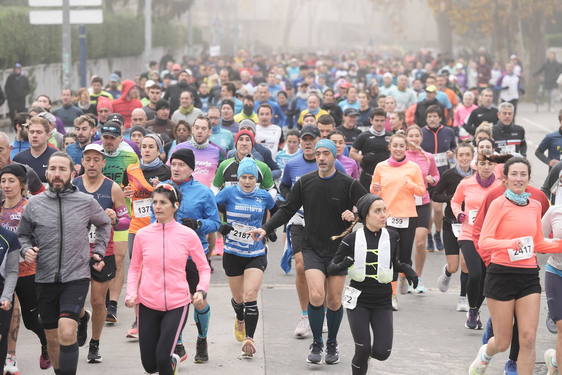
{"points": [[77, 17]]}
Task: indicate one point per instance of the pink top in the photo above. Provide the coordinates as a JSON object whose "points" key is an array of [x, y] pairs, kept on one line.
{"points": [[350, 165], [462, 113], [472, 194], [157, 277], [505, 222], [426, 162]]}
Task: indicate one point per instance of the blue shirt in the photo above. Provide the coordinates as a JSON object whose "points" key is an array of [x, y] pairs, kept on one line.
{"points": [[553, 143], [278, 114], [75, 152], [244, 211], [299, 166], [8, 243], [441, 97], [19, 146]]}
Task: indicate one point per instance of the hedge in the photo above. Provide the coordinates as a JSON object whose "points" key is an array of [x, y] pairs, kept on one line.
{"points": [[554, 40], [119, 35]]}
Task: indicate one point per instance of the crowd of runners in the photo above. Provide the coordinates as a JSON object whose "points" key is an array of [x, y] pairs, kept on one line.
{"points": [[357, 164]]}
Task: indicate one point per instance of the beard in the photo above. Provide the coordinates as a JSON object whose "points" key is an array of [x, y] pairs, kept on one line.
{"points": [[61, 185]]}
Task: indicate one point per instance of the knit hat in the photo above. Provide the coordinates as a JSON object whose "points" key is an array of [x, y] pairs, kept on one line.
{"points": [[364, 203], [139, 129], [247, 166], [244, 132], [326, 143], [154, 136], [16, 169], [185, 155], [247, 123], [104, 102]]}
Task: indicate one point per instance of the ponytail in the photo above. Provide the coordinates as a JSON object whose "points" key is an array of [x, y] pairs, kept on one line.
{"points": [[347, 231]]}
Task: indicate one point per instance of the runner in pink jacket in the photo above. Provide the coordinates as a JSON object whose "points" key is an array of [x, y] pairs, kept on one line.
{"points": [[157, 281]]}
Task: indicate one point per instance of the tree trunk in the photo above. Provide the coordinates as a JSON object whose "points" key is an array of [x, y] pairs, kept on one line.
{"points": [[533, 28], [445, 32]]}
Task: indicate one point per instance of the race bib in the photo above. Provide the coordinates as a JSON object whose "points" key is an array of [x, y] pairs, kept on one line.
{"points": [[240, 233], [441, 159], [472, 216], [92, 234], [142, 207], [419, 200], [349, 298], [526, 251], [456, 229], [508, 149], [398, 222], [230, 183]]}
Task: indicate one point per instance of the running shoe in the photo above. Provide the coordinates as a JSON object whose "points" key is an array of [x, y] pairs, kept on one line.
{"points": [[510, 367], [176, 363], [549, 359], [315, 354], [438, 241], [44, 361], [430, 246], [303, 327], [248, 348], [462, 304], [420, 288], [82, 334], [332, 353], [94, 355], [488, 332], [443, 281], [180, 352], [394, 303], [133, 333], [201, 353], [550, 325], [111, 314], [479, 366], [472, 318], [239, 330], [11, 365], [403, 284]]}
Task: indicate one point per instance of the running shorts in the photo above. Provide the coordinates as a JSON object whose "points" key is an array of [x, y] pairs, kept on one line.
{"points": [[61, 300], [108, 271], [511, 286], [235, 265]]}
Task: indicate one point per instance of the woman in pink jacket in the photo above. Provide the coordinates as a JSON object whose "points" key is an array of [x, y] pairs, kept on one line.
{"points": [[430, 173], [157, 281]]}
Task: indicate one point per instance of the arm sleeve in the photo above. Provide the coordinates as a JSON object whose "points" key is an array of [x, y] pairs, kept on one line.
{"points": [[198, 256], [417, 185], [12, 269], [25, 228], [218, 181], [135, 268], [284, 213], [267, 182], [211, 222], [543, 146], [123, 218], [103, 227], [433, 171]]}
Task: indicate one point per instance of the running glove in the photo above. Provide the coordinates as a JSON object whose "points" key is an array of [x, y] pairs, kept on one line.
{"points": [[225, 229], [272, 236], [190, 223], [410, 274], [336, 268]]}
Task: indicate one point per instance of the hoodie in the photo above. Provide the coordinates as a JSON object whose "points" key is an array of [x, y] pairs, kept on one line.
{"points": [[124, 106]]}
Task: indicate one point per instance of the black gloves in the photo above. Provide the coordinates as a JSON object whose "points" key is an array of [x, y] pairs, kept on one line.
{"points": [[191, 223], [410, 274], [272, 236], [225, 229], [336, 268]]}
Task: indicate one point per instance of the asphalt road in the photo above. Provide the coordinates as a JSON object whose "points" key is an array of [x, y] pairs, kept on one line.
{"points": [[429, 335]]}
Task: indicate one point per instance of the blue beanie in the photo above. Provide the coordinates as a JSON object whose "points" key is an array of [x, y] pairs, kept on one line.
{"points": [[247, 166], [326, 143]]}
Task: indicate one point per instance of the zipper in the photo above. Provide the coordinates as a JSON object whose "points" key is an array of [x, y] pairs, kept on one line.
{"points": [[58, 277], [164, 264]]}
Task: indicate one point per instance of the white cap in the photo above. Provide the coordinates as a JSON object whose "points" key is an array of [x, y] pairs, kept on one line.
{"points": [[94, 147], [150, 83]]}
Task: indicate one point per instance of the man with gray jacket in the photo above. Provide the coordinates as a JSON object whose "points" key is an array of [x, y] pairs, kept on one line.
{"points": [[54, 233]]}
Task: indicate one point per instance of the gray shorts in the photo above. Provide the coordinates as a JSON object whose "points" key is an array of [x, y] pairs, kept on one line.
{"points": [[553, 289]]}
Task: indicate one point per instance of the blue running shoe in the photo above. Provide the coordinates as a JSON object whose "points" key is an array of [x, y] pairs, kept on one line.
{"points": [[510, 368], [488, 332]]}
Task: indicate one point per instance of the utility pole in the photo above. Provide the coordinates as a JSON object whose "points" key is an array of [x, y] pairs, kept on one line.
{"points": [[66, 44], [147, 30]]}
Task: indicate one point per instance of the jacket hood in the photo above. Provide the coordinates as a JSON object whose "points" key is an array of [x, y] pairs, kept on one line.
{"points": [[126, 86]]}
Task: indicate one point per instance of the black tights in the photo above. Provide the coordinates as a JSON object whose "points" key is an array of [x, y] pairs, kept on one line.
{"points": [[158, 334], [406, 241], [476, 273], [25, 290], [380, 322]]}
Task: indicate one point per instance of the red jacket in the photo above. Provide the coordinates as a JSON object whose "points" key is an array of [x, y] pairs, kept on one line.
{"points": [[124, 106]]}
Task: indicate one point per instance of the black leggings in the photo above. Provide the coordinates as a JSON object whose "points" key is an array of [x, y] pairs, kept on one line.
{"points": [[5, 319], [380, 322], [476, 273], [27, 295], [406, 241], [158, 334]]}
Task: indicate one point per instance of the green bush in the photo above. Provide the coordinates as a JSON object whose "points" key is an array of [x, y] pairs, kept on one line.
{"points": [[554, 40], [119, 35]]}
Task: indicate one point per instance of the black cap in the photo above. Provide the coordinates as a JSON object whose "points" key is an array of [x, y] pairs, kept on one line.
{"points": [[16, 169], [185, 155], [351, 112], [116, 117], [161, 104], [310, 130], [111, 128]]}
